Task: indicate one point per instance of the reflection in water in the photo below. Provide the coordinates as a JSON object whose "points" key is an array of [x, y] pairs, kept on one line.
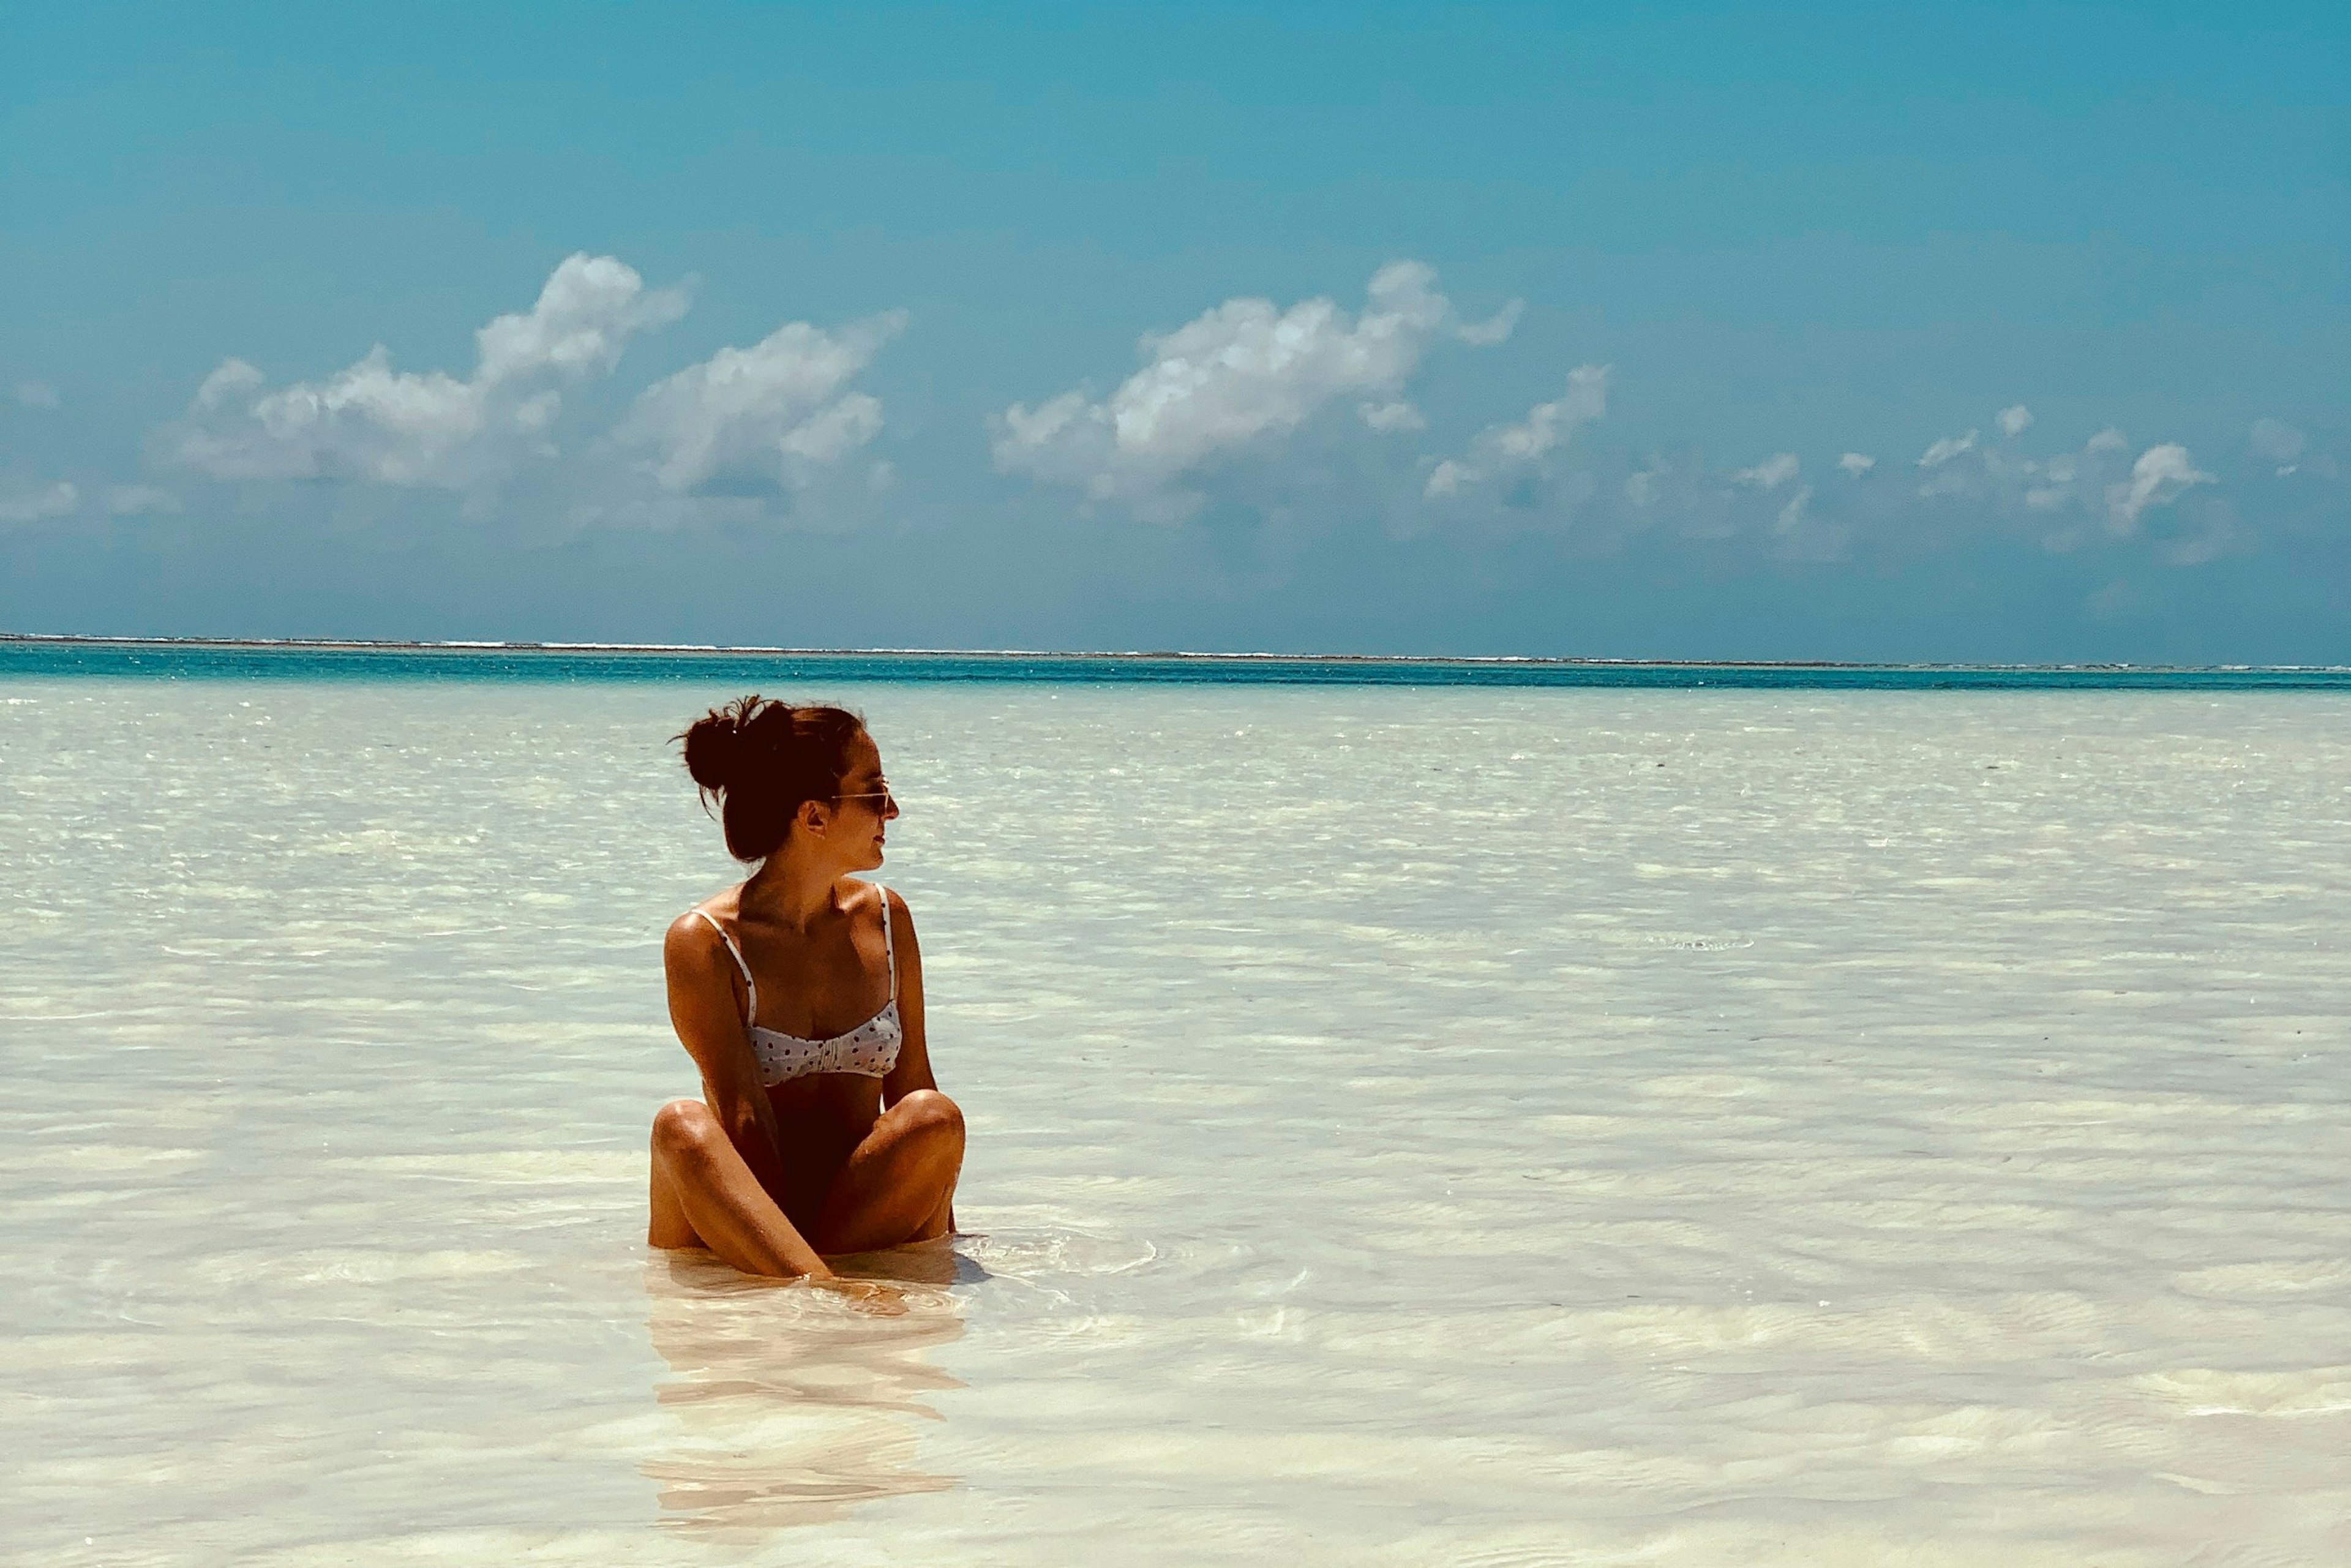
{"points": [[793, 1404]]}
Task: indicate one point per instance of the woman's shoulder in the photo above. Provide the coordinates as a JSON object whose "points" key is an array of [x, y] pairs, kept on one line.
{"points": [[698, 928], [856, 891], [892, 904]]}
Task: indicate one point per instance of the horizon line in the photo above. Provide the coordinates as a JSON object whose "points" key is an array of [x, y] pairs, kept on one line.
{"points": [[469, 646]]}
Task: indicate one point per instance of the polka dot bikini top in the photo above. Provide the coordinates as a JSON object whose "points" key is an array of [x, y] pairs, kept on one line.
{"points": [[870, 1050]]}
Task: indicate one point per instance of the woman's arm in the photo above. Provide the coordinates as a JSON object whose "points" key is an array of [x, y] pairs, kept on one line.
{"points": [[914, 1068], [708, 1017]]}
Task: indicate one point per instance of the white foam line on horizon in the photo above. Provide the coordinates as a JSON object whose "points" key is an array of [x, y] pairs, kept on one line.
{"points": [[1065, 655]]}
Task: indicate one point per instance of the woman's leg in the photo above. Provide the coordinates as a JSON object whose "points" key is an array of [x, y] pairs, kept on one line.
{"points": [[703, 1195], [899, 1186]]}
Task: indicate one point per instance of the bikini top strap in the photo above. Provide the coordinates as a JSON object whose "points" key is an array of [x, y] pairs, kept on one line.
{"points": [[750, 985], [889, 948]]}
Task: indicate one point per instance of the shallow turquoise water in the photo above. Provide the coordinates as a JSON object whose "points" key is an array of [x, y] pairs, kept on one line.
{"points": [[1420, 1125]]}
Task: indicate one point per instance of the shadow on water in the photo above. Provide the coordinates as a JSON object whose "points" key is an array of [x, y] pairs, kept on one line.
{"points": [[793, 1404]]}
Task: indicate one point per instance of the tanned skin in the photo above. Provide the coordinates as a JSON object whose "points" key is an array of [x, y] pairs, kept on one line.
{"points": [[775, 1180]]}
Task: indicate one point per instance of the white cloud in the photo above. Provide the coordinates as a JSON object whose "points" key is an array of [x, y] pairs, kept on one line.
{"points": [[138, 500], [1548, 425], [31, 505], [368, 420], [2014, 420], [36, 394], [1236, 379], [835, 431], [1794, 531], [1797, 535], [2086, 485], [398, 427], [1645, 488], [1791, 516], [2078, 499], [1769, 473], [1530, 443], [229, 382], [1495, 329], [779, 408], [1945, 474], [1391, 416], [1945, 449], [588, 310], [2072, 479], [2277, 441], [1447, 478], [2157, 479]]}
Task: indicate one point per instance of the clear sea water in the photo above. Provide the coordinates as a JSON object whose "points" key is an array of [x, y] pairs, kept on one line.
{"points": [[1447, 1121]]}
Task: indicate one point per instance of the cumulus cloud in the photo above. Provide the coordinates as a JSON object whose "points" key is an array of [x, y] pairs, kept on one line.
{"points": [[779, 409], [2073, 479], [589, 310], [32, 504], [1447, 478], [2157, 479], [1769, 473], [36, 394], [2104, 491], [1528, 443], [1391, 416], [2098, 494], [1795, 532], [1943, 473], [398, 427], [1236, 379], [1948, 448], [1548, 425]]}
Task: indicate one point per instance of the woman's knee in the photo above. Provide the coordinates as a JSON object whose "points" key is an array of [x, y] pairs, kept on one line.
{"points": [[932, 1114], [683, 1129]]}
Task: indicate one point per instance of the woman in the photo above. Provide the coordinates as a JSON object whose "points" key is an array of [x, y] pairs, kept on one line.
{"points": [[799, 994]]}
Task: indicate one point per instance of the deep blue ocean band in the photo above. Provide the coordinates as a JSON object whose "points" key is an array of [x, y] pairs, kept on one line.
{"points": [[23, 657]]}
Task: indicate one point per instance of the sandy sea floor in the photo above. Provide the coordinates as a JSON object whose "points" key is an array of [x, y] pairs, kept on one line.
{"points": [[1410, 1127]]}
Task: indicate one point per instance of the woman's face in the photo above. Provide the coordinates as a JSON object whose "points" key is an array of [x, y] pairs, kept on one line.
{"points": [[859, 817]]}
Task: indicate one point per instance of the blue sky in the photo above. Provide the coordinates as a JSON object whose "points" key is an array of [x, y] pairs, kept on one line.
{"points": [[1991, 332]]}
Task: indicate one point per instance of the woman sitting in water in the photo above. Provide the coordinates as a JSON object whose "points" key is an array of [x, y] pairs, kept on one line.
{"points": [[817, 1132]]}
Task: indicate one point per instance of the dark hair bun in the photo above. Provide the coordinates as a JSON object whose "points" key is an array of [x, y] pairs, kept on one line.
{"points": [[717, 744], [763, 760]]}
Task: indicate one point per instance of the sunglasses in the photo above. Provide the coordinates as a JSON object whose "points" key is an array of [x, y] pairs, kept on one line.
{"points": [[882, 795]]}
